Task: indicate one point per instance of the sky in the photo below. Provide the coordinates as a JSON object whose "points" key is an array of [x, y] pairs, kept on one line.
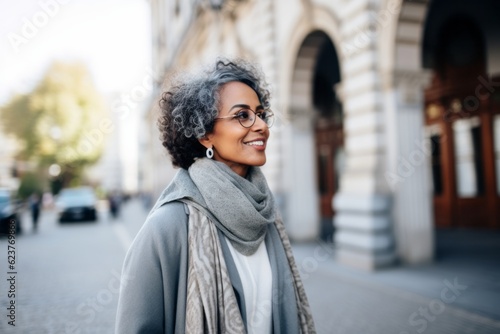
{"points": [[111, 36]]}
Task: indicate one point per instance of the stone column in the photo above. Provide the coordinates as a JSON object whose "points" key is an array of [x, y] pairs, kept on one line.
{"points": [[299, 151], [301, 212], [408, 172], [363, 222], [409, 152]]}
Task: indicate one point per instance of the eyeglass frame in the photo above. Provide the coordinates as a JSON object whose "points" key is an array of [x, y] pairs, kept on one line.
{"points": [[255, 118]]}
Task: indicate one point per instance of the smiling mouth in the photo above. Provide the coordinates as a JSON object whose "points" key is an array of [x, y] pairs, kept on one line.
{"points": [[255, 143]]}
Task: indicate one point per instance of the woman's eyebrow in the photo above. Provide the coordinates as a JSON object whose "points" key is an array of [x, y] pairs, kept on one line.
{"points": [[240, 106], [245, 106]]}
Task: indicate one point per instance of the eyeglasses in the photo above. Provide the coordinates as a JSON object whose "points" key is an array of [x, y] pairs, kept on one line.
{"points": [[247, 117]]}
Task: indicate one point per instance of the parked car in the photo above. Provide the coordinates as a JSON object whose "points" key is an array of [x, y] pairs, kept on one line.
{"points": [[76, 204], [9, 212]]}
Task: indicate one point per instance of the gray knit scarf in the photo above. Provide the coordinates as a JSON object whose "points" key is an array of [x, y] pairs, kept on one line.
{"points": [[243, 210], [243, 207]]}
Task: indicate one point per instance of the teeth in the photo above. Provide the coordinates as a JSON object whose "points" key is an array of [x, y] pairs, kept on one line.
{"points": [[256, 143]]}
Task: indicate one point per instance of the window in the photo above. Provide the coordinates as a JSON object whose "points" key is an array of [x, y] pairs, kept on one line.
{"points": [[437, 168], [468, 157], [435, 139]]}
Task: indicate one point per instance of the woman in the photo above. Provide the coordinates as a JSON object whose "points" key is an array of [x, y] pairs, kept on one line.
{"points": [[213, 255]]}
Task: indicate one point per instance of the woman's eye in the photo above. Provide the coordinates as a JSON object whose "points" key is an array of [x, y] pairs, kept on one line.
{"points": [[243, 114]]}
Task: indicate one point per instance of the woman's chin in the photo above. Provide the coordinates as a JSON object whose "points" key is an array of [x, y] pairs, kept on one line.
{"points": [[259, 162]]}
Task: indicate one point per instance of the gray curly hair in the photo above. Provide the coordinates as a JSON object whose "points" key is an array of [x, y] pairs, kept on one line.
{"points": [[189, 108]]}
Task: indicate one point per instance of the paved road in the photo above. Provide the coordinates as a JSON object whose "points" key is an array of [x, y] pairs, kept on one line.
{"points": [[68, 275]]}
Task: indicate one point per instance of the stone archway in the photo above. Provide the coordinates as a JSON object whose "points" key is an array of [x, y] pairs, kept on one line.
{"points": [[382, 215], [328, 129], [311, 138]]}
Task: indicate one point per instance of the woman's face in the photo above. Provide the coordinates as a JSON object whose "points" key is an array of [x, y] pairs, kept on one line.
{"points": [[237, 146]]}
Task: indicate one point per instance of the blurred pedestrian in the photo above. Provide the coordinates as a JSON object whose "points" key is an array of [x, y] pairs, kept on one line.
{"points": [[114, 201], [213, 255], [34, 203]]}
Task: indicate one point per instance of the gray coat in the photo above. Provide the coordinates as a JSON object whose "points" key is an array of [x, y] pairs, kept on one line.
{"points": [[153, 295]]}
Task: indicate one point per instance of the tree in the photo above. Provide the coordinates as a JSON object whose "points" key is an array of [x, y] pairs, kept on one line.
{"points": [[30, 183], [59, 122]]}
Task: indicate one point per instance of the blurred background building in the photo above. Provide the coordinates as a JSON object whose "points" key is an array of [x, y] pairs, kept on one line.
{"points": [[389, 113], [117, 170], [8, 170]]}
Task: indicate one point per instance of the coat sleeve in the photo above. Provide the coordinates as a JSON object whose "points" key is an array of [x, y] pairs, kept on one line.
{"points": [[154, 276]]}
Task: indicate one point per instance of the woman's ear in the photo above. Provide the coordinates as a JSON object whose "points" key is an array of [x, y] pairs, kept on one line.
{"points": [[206, 141]]}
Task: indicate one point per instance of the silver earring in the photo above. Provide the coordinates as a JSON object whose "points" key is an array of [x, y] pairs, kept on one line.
{"points": [[210, 153]]}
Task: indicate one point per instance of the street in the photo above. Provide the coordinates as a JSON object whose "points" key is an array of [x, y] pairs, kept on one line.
{"points": [[67, 278], [68, 275]]}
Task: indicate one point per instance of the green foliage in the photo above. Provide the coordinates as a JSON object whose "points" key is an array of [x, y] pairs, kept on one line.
{"points": [[57, 122], [30, 183]]}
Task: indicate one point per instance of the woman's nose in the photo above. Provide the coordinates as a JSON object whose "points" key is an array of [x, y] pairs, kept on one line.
{"points": [[259, 125]]}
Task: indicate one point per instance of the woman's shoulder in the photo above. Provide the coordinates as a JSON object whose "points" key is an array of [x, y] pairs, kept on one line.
{"points": [[167, 222]]}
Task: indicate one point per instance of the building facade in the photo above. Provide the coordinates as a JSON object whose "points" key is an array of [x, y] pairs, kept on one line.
{"points": [[8, 167], [388, 113]]}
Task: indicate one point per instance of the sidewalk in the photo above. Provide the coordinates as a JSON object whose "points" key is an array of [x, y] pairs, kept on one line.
{"points": [[401, 299], [458, 293]]}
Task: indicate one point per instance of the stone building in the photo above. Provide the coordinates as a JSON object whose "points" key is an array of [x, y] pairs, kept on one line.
{"points": [[389, 112]]}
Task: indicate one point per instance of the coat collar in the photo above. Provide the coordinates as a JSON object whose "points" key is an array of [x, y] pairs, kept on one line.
{"points": [[180, 188]]}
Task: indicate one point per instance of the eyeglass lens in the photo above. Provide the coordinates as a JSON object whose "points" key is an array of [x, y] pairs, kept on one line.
{"points": [[247, 118]]}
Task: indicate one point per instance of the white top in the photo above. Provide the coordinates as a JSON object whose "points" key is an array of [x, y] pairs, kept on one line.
{"points": [[257, 280]]}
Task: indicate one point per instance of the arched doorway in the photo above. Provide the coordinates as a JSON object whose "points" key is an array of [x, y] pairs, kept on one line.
{"points": [[316, 110], [329, 139], [462, 117]]}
